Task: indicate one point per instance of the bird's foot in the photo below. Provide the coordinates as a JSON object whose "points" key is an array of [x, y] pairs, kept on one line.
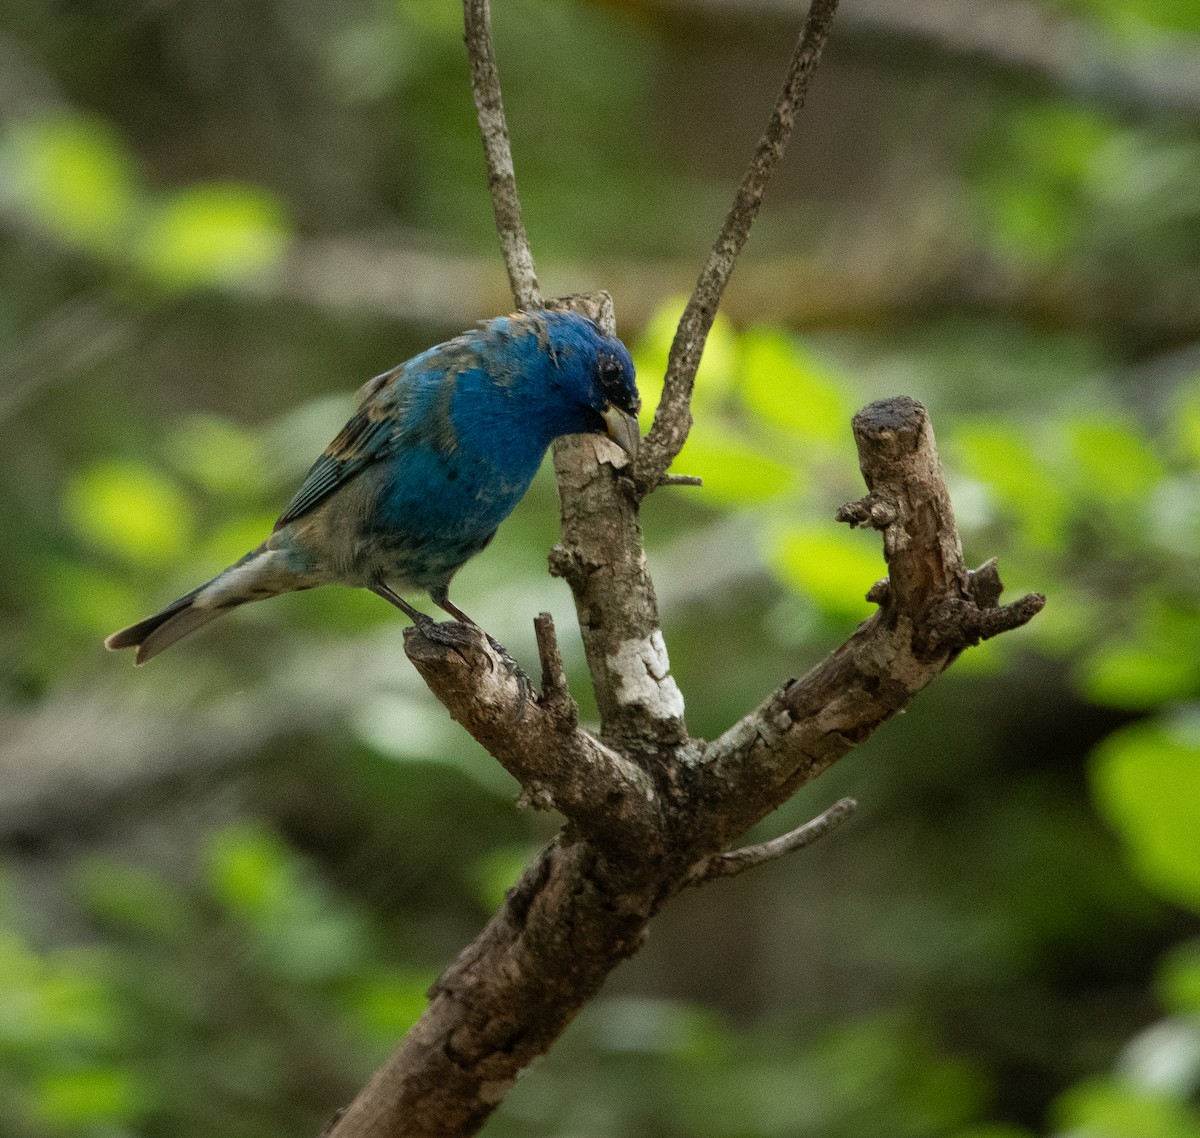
{"points": [[451, 634]]}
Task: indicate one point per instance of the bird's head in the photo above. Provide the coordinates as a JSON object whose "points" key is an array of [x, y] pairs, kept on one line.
{"points": [[599, 377]]}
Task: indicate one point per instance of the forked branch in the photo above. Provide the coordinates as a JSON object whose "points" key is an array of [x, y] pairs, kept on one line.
{"points": [[584, 905], [673, 417], [650, 809]]}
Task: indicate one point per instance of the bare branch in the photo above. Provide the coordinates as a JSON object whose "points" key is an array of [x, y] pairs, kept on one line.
{"points": [[738, 861], [506, 998], [643, 818], [502, 179], [673, 418], [850, 279], [930, 610], [556, 694], [485, 691], [584, 905], [600, 557]]}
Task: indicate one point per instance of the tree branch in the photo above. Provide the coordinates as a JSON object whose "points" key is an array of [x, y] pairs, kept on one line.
{"points": [[556, 762], [673, 417], [556, 695], [585, 904], [652, 810], [600, 556], [738, 861], [502, 179], [1150, 71], [930, 611]]}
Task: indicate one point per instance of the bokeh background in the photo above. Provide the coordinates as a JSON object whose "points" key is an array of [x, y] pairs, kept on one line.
{"points": [[227, 879]]}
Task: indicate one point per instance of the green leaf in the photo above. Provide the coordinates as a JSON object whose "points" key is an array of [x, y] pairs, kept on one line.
{"points": [[498, 871], [1179, 979], [91, 1095], [131, 510], [735, 473], [1146, 779], [1138, 678], [214, 234], [832, 567], [88, 598], [73, 176], [220, 455], [386, 1004], [1185, 421], [300, 931], [791, 389], [133, 898], [1112, 459], [718, 365], [1001, 458], [1028, 222], [53, 1001], [248, 871], [1109, 1108], [1059, 141]]}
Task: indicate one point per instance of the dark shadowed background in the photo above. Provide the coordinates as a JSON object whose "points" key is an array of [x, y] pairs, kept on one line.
{"points": [[227, 879]]}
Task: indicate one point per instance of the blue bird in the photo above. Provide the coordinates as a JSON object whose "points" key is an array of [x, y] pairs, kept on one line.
{"points": [[438, 454]]}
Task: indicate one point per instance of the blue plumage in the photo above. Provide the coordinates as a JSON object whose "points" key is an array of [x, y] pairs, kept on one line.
{"points": [[437, 455]]}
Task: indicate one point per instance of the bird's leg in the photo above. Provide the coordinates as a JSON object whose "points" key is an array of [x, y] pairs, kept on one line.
{"points": [[448, 634], [441, 598], [447, 605], [420, 619]]}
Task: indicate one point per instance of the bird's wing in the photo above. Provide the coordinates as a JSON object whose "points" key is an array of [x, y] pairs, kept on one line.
{"points": [[366, 438]]}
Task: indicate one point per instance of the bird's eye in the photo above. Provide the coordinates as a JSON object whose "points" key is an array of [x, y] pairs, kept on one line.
{"points": [[611, 374]]}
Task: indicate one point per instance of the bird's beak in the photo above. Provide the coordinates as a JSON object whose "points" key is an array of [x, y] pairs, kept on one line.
{"points": [[622, 429]]}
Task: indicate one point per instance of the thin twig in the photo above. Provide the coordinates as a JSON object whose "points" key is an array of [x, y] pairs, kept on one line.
{"points": [[738, 861], [502, 181], [673, 419], [556, 694]]}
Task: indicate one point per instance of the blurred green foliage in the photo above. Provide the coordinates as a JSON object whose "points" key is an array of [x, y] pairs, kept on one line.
{"points": [[1003, 944], [72, 176]]}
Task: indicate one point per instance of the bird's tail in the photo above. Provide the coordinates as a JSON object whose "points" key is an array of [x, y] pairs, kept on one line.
{"points": [[261, 573]]}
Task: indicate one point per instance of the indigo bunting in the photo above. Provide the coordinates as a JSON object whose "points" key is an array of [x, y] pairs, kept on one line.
{"points": [[439, 452]]}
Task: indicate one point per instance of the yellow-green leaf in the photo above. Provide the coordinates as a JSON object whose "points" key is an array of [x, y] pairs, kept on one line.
{"points": [[131, 510], [835, 568], [718, 365], [72, 175], [1178, 980], [221, 455], [734, 472], [1002, 460], [1112, 459], [92, 1095], [789, 388], [1146, 779], [214, 234], [1137, 678]]}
